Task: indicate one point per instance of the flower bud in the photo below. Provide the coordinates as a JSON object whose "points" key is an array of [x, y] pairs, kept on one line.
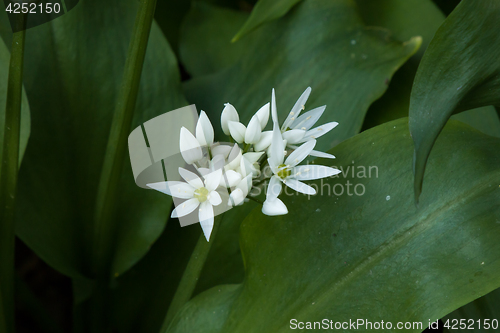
{"points": [[228, 114], [190, 147]]}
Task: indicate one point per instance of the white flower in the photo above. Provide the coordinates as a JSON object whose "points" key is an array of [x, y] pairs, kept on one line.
{"points": [[233, 158], [198, 193], [230, 178], [204, 130], [265, 141], [250, 134], [190, 147], [289, 173], [228, 114], [249, 164], [296, 128], [274, 207], [240, 192]]}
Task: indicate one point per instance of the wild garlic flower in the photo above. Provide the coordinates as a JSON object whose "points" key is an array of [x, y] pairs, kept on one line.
{"points": [[250, 134], [298, 129], [238, 170], [191, 146], [288, 172], [197, 192]]}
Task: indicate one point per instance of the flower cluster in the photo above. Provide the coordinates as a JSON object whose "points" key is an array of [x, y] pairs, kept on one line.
{"points": [[255, 158]]}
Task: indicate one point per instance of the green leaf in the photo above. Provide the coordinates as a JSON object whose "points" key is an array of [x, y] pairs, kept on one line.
{"points": [[475, 314], [265, 11], [208, 312], [210, 28], [459, 71], [404, 19], [484, 119], [346, 64], [143, 294], [74, 68], [369, 252]]}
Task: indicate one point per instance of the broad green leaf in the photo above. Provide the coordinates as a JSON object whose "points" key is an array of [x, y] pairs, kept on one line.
{"points": [[74, 67], [224, 264], [265, 11], [169, 15], [369, 253], [459, 71], [404, 19], [143, 294], [210, 29], [476, 314], [346, 64], [484, 119], [208, 312]]}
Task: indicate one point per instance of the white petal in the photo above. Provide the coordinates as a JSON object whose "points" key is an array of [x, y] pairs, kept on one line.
{"points": [[294, 136], [245, 185], [316, 153], [299, 154], [297, 108], [217, 162], [253, 157], [274, 111], [174, 188], [204, 171], [309, 172], [230, 178], [234, 158], [264, 142], [299, 186], [191, 178], [228, 114], [190, 147], [247, 168], [214, 198], [185, 207], [274, 188], [274, 207], [308, 119], [221, 150], [277, 148], [212, 180], [319, 131], [206, 217], [236, 198], [237, 131], [263, 115], [253, 131], [204, 130]]}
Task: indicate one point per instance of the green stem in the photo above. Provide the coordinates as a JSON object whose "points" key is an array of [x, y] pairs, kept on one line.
{"points": [[246, 148], [104, 227], [191, 275], [8, 176]]}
